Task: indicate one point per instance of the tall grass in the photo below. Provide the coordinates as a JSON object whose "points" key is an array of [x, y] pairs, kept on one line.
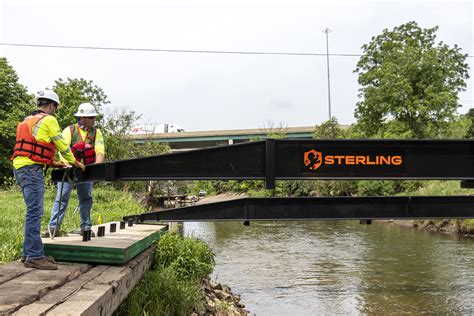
{"points": [[162, 292], [446, 188], [440, 188], [172, 288], [191, 258], [109, 204]]}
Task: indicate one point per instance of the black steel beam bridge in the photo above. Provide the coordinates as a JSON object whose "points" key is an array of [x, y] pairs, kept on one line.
{"points": [[272, 160]]}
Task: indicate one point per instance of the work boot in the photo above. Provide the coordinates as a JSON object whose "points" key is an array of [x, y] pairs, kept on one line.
{"points": [[49, 258], [41, 264], [58, 233]]}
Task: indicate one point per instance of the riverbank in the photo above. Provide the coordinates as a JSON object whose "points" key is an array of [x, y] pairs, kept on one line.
{"points": [[219, 300], [452, 227], [179, 283]]}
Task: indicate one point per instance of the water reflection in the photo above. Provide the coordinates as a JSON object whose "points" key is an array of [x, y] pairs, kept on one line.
{"points": [[303, 268]]}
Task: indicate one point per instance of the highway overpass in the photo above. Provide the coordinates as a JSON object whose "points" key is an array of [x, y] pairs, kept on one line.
{"points": [[204, 139]]}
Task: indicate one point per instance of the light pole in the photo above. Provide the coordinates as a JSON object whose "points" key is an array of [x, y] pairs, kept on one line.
{"points": [[327, 31]]}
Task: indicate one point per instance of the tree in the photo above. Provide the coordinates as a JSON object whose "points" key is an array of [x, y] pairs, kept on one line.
{"points": [[406, 77], [117, 126], [275, 132], [329, 130], [470, 117], [15, 104], [73, 92], [119, 145]]}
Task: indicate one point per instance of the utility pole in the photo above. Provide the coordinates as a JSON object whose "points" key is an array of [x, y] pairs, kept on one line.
{"points": [[327, 31]]}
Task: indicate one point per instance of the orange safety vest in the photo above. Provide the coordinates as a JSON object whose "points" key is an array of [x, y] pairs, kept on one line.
{"points": [[26, 144], [83, 149]]}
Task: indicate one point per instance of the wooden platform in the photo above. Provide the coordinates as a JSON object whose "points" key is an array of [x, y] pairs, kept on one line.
{"points": [[73, 289], [114, 248]]}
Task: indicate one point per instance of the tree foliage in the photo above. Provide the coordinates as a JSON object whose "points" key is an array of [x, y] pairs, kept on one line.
{"points": [[273, 131], [73, 92], [116, 127], [329, 130], [470, 118], [405, 76], [15, 104], [119, 145]]}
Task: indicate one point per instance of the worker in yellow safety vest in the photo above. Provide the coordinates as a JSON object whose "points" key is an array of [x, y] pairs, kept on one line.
{"points": [[37, 139], [87, 144]]}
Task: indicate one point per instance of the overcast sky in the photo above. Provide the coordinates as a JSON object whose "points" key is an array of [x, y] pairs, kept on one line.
{"points": [[217, 91]]}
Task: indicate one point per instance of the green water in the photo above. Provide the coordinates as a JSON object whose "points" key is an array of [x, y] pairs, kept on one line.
{"points": [[314, 268]]}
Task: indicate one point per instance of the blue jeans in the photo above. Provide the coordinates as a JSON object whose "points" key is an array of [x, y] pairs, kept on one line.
{"points": [[31, 180], [84, 195]]}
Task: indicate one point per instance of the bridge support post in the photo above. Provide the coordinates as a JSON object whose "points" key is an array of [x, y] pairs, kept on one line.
{"points": [[270, 164]]}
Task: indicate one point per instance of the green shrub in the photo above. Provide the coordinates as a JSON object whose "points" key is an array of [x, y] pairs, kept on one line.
{"points": [[189, 257], [386, 187], [376, 188], [261, 193], [334, 188], [162, 292], [469, 225], [172, 288]]}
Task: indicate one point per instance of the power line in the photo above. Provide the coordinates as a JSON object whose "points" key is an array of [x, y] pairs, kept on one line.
{"points": [[180, 50], [176, 50]]}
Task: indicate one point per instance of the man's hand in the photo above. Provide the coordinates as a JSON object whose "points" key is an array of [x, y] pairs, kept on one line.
{"points": [[79, 164], [58, 164]]}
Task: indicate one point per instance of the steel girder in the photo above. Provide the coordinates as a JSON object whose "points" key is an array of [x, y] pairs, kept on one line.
{"points": [[272, 160], [319, 208]]}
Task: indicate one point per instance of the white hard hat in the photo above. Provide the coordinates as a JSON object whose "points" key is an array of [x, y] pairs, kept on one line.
{"points": [[48, 94], [86, 110]]}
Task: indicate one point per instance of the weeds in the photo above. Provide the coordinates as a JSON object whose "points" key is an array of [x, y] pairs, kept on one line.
{"points": [[173, 287], [190, 258], [162, 292]]}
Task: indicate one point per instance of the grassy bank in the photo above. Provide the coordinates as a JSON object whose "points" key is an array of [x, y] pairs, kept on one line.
{"points": [[109, 204], [444, 188], [172, 286]]}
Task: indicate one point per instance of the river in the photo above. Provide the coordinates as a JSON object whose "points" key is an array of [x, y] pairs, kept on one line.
{"points": [[341, 267]]}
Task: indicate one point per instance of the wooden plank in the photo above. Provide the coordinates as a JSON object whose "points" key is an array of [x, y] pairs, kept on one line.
{"points": [[29, 287], [114, 248], [12, 270], [103, 294], [121, 239], [60, 295]]}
